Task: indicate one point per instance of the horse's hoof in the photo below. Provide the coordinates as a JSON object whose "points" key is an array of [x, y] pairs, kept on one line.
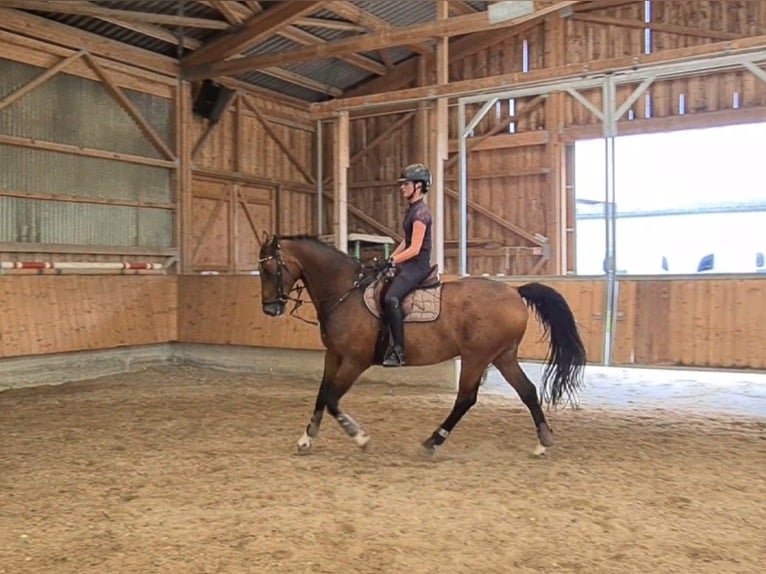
{"points": [[539, 450], [545, 435], [362, 439], [429, 448], [304, 444]]}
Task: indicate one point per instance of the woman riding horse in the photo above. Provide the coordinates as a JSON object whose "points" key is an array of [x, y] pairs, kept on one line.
{"points": [[412, 257]]}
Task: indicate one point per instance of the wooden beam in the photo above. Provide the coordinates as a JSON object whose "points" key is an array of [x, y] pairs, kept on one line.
{"points": [[458, 25], [404, 72], [184, 180], [459, 7], [329, 24], [253, 32], [88, 9], [228, 10], [39, 80], [370, 21], [380, 138], [507, 141], [156, 32], [129, 107], [212, 216], [492, 216], [474, 142], [656, 26], [274, 136], [303, 81], [671, 123], [51, 197], [558, 74], [241, 12], [83, 151], [439, 139], [340, 178], [63, 35], [308, 39]]}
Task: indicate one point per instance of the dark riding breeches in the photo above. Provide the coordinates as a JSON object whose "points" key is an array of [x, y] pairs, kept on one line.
{"points": [[405, 281]]}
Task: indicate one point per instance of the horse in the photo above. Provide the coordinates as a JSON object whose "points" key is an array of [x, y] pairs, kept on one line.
{"points": [[481, 320]]}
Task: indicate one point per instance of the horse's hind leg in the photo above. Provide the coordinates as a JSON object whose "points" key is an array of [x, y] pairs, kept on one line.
{"points": [[468, 389], [331, 364], [508, 365]]}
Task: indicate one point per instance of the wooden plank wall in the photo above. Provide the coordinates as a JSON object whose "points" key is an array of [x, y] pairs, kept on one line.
{"points": [[517, 176], [61, 313], [703, 322], [43, 315], [253, 171]]}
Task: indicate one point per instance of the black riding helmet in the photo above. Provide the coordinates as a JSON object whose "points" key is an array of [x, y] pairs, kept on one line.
{"points": [[417, 172]]}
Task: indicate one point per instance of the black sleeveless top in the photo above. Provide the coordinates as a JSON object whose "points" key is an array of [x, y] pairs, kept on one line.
{"points": [[418, 211]]}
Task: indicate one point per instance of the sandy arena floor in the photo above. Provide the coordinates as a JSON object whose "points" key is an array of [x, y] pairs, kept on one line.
{"points": [[185, 470]]}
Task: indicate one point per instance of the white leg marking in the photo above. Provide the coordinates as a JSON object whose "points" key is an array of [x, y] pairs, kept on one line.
{"points": [[304, 443], [361, 438], [539, 450]]}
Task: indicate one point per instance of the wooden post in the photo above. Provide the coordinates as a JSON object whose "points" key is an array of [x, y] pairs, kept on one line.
{"points": [[440, 141], [342, 162], [555, 32], [422, 130], [183, 177]]}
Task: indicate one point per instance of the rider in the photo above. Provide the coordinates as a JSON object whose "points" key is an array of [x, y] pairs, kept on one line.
{"points": [[412, 256]]}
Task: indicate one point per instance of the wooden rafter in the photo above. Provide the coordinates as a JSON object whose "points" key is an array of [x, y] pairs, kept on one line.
{"points": [[458, 25], [252, 32], [371, 22], [403, 73], [238, 13], [88, 9], [308, 39]]}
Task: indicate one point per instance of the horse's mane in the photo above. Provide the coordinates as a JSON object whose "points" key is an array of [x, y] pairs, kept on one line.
{"points": [[315, 239]]}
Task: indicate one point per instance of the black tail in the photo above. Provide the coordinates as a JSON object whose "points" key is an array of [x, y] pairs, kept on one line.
{"points": [[566, 353]]}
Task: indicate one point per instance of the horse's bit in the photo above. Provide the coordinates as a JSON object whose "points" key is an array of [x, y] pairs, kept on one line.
{"points": [[283, 298]]}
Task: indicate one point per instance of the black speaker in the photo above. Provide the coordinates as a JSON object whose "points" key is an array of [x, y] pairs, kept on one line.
{"points": [[212, 100]]}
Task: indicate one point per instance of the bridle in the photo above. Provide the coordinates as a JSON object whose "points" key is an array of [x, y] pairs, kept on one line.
{"points": [[283, 298]]}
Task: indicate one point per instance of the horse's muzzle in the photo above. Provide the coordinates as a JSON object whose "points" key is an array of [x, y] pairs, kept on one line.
{"points": [[274, 309]]}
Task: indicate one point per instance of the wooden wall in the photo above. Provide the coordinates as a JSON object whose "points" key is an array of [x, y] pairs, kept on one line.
{"points": [[518, 163], [252, 172], [43, 315], [702, 322]]}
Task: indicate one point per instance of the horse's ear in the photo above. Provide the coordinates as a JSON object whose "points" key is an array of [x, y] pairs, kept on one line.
{"points": [[265, 239]]}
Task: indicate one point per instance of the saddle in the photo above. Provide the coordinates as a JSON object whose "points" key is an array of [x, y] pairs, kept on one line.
{"points": [[421, 305]]}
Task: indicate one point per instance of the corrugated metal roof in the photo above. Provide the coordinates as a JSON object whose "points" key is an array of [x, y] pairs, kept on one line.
{"points": [[333, 72]]}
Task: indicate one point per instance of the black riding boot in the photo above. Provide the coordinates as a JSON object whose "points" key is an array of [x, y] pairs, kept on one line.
{"points": [[394, 356]]}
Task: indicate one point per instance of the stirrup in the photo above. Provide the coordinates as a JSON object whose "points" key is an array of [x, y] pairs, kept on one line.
{"points": [[394, 357]]}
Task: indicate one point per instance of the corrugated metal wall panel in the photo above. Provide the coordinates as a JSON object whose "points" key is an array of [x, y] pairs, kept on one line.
{"points": [[35, 221], [76, 111], [39, 171], [80, 112]]}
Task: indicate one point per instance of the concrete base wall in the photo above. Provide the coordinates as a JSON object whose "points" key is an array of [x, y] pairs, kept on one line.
{"points": [[77, 366]]}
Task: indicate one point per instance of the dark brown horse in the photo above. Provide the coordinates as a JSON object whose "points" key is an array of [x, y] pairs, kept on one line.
{"points": [[481, 320]]}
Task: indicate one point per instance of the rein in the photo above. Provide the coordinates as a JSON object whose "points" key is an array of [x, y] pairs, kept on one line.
{"points": [[362, 280]]}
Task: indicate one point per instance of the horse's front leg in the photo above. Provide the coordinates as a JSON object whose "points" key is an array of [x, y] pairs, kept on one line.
{"points": [[331, 364], [347, 373]]}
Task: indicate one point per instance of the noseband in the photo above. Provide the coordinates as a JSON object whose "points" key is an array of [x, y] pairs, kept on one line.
{"points": [[283, 298]]}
